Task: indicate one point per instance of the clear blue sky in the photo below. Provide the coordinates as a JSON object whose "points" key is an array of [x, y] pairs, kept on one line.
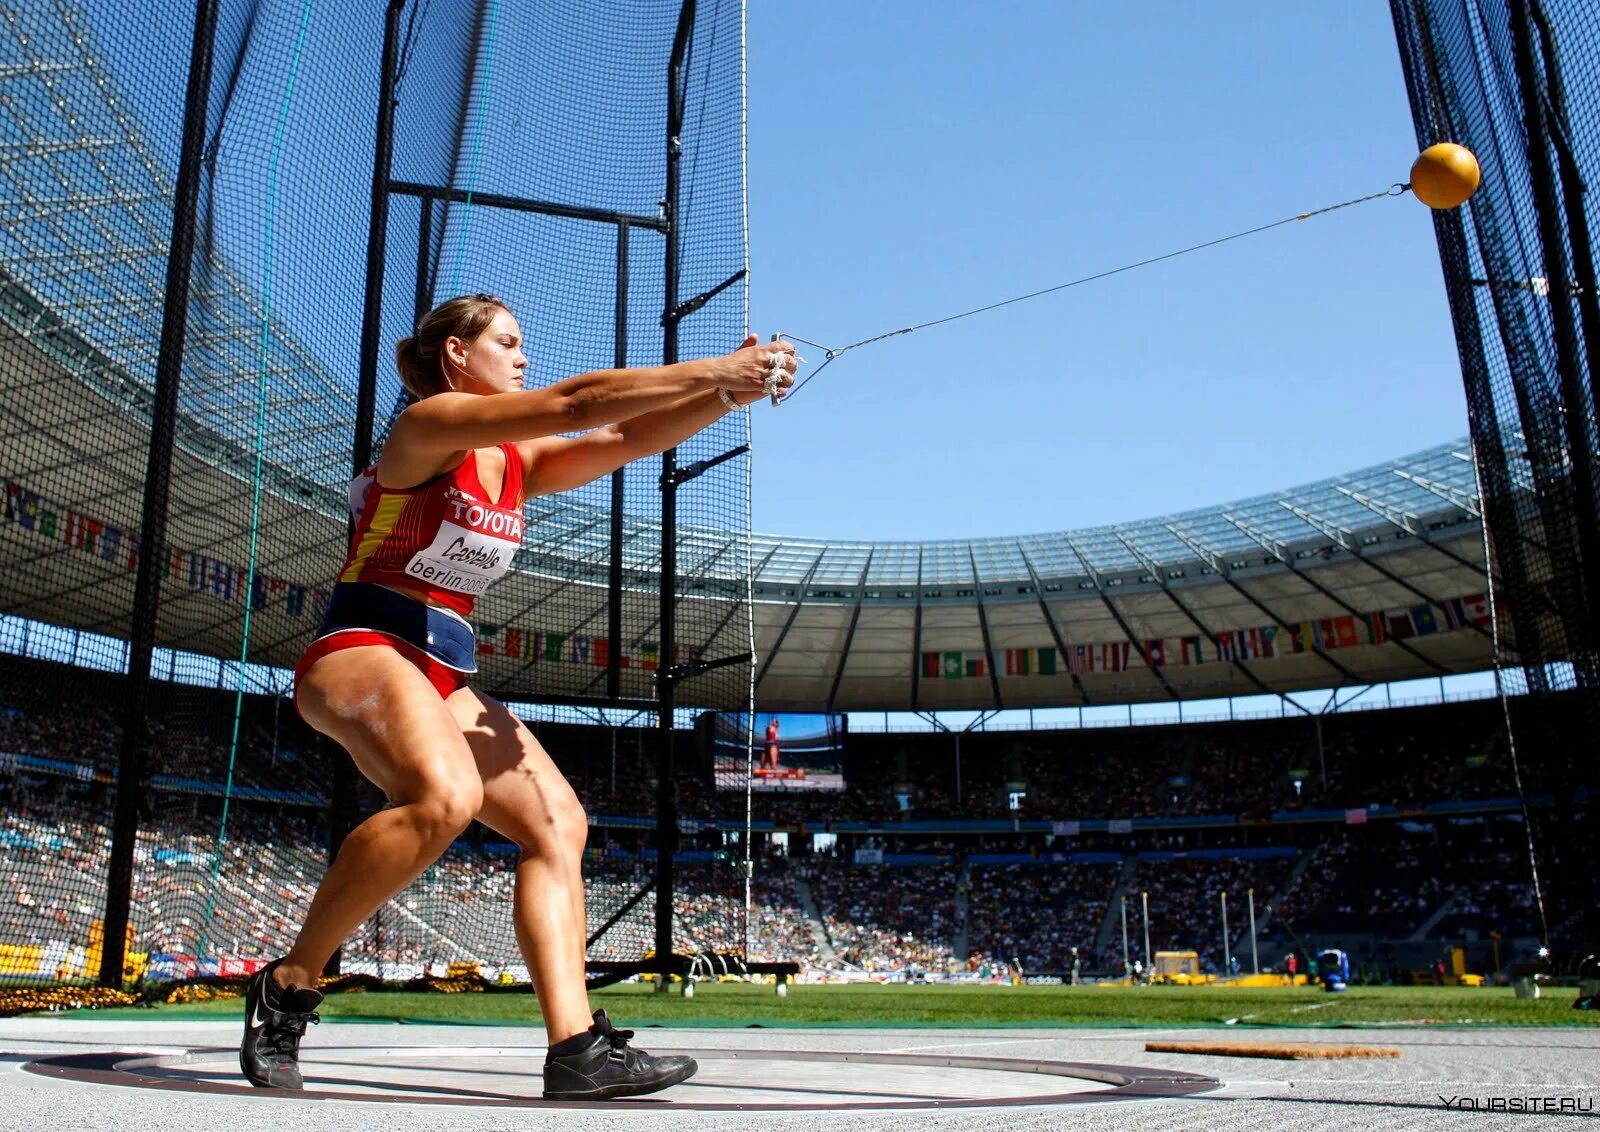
{"points": [[913, 159]]}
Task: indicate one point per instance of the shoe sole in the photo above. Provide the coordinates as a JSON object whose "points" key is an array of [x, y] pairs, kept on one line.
{"points": [[622, 1088], [267, 1084]]}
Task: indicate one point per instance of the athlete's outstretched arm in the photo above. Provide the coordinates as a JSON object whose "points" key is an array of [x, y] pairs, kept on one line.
{"points": [[429, 431], [452, 422], [558, 463]]}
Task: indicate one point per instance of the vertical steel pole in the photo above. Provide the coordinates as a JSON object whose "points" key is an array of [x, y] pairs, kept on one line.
{"points": [[614, 596], [422, 294], [153, 516], [377, 238], [613, 661], [1255, 958], [1145, 897], [666, 784], [1227, 948], [342, 801], [1127, 964]]}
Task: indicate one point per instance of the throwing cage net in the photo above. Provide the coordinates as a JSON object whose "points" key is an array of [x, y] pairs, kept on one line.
{"points": [[1517, 82], [212, 239]]}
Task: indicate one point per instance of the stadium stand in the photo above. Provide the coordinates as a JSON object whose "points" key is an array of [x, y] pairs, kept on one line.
{"points": [[1173, 812], [1034, 915]]}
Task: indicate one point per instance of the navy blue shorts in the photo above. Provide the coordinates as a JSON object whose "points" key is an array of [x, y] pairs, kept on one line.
{"points": [[437, 632]]}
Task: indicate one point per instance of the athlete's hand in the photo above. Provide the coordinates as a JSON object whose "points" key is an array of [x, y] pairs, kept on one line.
{"points": [[743, 373]]}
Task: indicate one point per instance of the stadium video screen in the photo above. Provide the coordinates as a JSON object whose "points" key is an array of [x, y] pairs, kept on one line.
{"points": [[794, 751]]}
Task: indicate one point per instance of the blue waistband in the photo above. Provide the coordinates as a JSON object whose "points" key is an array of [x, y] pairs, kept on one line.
{"points": [[437, 632]]}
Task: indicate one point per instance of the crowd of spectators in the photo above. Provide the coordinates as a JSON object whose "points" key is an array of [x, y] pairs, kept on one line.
{"points": [[52, 862], [1253, 768], [189, 738], [1385, 877], [1390, 882], [55, 855], [1185, 900], [1035, 915], [780, 928], [882, 919], [1321, 889], [55, 852]]}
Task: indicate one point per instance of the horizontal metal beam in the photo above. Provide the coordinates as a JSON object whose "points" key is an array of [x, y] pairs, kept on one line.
{"points": [[520, 204]]}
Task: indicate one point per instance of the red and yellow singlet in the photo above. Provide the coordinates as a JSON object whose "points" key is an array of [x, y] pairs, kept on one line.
{"points": [[444, 540]]}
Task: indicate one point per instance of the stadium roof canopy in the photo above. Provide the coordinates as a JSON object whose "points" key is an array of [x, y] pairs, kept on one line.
{"points": [[1354, 579], [1365, 574], [1372, 576]]}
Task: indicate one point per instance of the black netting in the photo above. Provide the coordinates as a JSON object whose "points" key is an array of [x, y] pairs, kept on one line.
{"points": [[1517, 82], [530, 158]]}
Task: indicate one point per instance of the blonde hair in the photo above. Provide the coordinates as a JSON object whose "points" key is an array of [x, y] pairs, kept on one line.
{"points": [[420, 358]]}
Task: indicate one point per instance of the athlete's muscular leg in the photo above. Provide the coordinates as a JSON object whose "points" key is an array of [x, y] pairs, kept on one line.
{"points": [[526, 799], [378, 707]]}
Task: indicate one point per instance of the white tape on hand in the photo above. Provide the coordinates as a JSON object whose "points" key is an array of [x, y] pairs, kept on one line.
{"points": [[774, 375], [775, 370]]}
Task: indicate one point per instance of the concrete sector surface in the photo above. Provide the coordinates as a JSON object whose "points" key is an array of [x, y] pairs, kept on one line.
{"points": [[56, 1072]]}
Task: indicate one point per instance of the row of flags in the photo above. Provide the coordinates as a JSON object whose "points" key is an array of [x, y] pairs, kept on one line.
{"points": [[1263, 642], [230, 582], [111, 543], [534, 646]]}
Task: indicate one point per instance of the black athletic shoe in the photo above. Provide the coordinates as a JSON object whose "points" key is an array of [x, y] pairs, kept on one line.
{"points": [[609, 1067], [274, 1022]]}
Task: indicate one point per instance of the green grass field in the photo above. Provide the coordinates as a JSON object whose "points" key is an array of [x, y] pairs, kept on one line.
{"points": [[966, 1007]]}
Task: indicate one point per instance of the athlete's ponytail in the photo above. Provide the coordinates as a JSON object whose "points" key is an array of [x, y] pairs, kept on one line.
{"points": [[421, 360]]}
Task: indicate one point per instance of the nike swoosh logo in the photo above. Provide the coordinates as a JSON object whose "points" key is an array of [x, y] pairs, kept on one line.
{"points": [[260, 1019]]}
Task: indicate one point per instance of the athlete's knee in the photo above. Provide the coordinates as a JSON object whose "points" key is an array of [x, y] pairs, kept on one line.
{"points": [[565, 829], [445, 809], [562, 830], [573, 826]]}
